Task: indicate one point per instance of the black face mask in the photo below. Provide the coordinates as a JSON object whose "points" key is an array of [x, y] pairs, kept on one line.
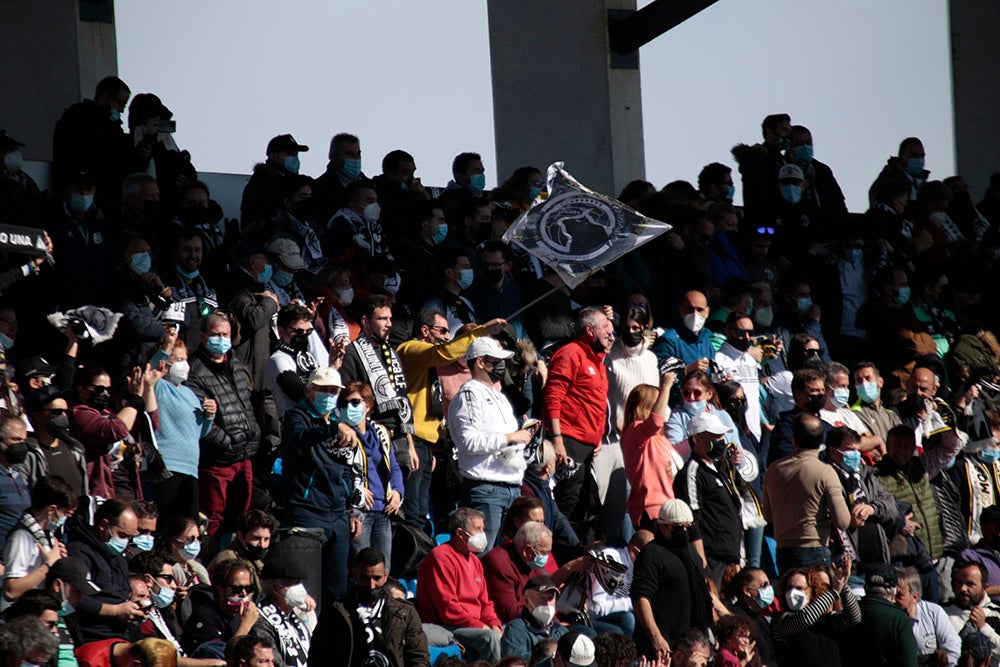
{"points": [[741, 344], [632, 338], [59, 424], [717, 449], [299, 343], [679, 537], [99, 400], [737, 408], [16, 452], [154, 210], [368, 595], [302, 210], [256, 553], [815, 403], [498, 371], [195, 215], [493, 276]]}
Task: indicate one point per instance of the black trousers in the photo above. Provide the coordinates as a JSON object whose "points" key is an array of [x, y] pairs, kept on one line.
{"points": [[577, 496]]}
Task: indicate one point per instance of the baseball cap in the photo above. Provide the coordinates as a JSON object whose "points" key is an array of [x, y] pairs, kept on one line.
{"points": [[541, 583], [325, 377], [886, 578], [790, 171], [487, 347], [35, 366], [675, 511], [576, 649], [39, 398], [72, 570], [282, 568], [285, 143], [706, 422], [288, 253]]}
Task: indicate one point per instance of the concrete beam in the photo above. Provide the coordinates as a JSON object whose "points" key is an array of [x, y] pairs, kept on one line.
{"points": [[50, 59], [975, 52], [555, 96]]}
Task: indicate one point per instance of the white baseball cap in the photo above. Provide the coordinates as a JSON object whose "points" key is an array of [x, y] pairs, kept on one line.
{"points": [[706, 422], [487, 347], [325, 377], [676, 511]]}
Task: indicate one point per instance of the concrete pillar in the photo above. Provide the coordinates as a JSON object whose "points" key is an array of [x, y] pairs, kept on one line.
{"points": [[50, 58], [975, 52], [556, 97]]}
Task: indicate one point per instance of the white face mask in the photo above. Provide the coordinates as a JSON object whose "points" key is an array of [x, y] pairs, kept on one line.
{"points": [[372, 212], [764, 316], [391, 284], [296, 595], [13, 161], [477, 543], [694, 322], [796, 599], [345, 297], [544, 613], [179, 371]]}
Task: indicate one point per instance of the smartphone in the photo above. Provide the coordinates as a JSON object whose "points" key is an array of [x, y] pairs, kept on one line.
{"points": [[168, 126]]}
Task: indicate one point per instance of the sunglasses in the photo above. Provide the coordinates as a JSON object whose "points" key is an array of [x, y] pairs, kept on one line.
{"points": [[242, 590], [57, 412], [353, 401], [169, 578], [769, 231], [814, 353]]}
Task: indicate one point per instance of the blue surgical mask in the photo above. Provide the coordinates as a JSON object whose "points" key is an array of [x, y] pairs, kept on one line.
{"points": [[765, 596], [989, 455], [66, 608], [218, 345], [853, 254], [540, 561], [950, 464], [58, 523], [281, 278], [191, 550], [265, 275], [440, 235], [694, 407], [324, 403], [116, 545], [915, 166], [292, 164], [143, 542], [533, 193], [466, 279], [6, 341], [163, 598], [803, 153], [803, 305], [902, 295], [868, 392], [730, 192], [116, 115], [352, 168], [791, 193], [190, 275], [477, 183], [80, 203], [851, 460], [840, 396], [141, 263], [352, 415]]}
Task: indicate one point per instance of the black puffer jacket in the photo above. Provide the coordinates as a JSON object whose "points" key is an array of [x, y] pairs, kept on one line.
{"points": [[235, 434]]}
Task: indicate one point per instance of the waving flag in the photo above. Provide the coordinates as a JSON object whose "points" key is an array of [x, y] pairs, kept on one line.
{"points": [[577, 231]]}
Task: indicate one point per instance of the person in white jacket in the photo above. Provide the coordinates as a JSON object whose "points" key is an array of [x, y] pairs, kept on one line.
{"points": [[488, 442]]}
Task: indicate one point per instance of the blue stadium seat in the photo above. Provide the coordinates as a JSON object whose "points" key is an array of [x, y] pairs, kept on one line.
{"points": [[441, 538], [438, 651]]}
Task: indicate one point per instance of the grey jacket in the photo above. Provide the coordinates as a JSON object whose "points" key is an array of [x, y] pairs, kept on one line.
{"points": [[35, 466]]}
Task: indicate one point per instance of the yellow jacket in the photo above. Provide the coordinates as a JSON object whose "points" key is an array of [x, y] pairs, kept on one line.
{"points": [[418, 358]]}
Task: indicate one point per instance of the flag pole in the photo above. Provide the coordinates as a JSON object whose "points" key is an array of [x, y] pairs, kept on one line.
{"points": [[534, 301]]}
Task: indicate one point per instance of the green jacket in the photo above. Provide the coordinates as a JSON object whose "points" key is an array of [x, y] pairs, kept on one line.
{"points": [[914, 487], [884, 637]]}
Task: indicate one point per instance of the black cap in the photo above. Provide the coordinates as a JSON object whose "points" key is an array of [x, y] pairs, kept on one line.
{"points": [[990, 516], [886, 578], [146, 105], [35, 366], [250, 248], [39, 398], [282, 568], [83, 178], [7, 142], [73, 571], [285, 143], [540, 582]]}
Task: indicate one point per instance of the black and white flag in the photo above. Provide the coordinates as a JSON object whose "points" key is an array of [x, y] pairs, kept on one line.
{"points": [[577, 231]]}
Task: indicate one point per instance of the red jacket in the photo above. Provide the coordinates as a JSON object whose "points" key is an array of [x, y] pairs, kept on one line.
{"points": [[98, 430], [506, 575], [451, 590], [577, 392], [97, 654]]}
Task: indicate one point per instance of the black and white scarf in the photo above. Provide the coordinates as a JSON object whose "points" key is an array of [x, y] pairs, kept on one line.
{"points": [[41, 535], [305, 364], [385, 375]]}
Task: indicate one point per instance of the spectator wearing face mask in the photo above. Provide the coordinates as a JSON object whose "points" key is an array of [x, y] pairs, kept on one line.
{"points": [[809, 393], [343, 169], [51, 449], [452, 300], [741, 359], [295, 222], [399, 191], [14, 490], [452, 588], [251, 542], [154, 150], [630, 363], [354, 234], [292, 363], [836, 412], [184, 420], [282, 594], [21, 202], [155, 570], [752, 596], [32, 548], [232, 612], [101, 547], [906, 167], [869, 408], [418, 251], [759, 163], [263, 193], [691, 341], [536, 620]]}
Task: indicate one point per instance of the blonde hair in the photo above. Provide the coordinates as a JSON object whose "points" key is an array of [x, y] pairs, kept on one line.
{"points": [[155, 652], [639, 403]]}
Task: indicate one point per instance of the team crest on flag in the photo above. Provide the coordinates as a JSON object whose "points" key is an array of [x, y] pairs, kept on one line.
{"points": [[577, 231]]}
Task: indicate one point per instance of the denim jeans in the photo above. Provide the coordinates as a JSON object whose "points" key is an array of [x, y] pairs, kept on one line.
{"points": [[416, 499], [480, 644], [624, 621], [753, 539], [792, 557], [492, 500], [375, 532]]}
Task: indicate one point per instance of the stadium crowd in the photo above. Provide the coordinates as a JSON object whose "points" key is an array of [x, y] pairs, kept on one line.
{"points": [[355, 426]]}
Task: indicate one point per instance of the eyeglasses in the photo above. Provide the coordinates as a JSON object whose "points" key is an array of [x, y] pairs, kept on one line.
{"points": [[241, 590], [51, 625], [768, 231]]}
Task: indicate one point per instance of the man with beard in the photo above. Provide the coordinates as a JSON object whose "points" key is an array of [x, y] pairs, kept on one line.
{"points": [[668, 591], [389, 626], [971, 611]]}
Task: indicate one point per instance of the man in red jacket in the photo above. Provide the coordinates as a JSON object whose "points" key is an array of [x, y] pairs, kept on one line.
{"points": [[452, 589], [575, 404]]}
